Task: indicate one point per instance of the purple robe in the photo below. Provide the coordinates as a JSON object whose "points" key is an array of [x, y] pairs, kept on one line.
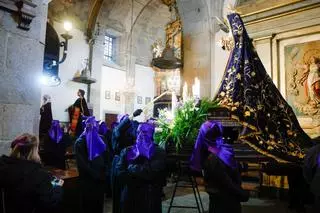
{"points": [[55, 132]]}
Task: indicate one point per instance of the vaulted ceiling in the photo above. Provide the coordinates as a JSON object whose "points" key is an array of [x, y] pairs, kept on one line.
{"points": [[117, 13], [145, 23]]}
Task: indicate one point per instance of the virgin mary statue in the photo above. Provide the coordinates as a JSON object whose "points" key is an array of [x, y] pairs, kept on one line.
{"points": [[270, 125]]}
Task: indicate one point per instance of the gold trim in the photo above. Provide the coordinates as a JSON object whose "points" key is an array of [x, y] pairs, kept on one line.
{"points": [[313, 6], [244, 123], [242, 138], [267, 9], [263, 38], [263, 152]]}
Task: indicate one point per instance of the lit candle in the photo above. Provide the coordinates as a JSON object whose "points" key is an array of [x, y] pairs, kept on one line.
{"points": [[196, 88], [173, 102]]}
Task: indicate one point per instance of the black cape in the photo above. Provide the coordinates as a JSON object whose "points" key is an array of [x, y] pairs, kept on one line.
{"points": [[92, 177], [224, 186], [123, 135], [142, 182], [107, 140], [311, 169], [54, 153], [45, 118]]}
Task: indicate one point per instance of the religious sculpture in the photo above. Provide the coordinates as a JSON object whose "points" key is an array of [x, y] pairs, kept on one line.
{"points": [[157, 48], [311, 80]]}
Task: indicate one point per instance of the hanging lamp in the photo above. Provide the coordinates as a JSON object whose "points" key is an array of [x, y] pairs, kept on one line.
{"points": [[168, 59]]}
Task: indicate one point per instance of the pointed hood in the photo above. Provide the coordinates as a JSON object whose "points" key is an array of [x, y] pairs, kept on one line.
{"points": [[95, 144]]}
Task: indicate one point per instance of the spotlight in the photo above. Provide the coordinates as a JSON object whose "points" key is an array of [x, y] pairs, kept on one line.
{"points": [[43, 80], [51, 81]]}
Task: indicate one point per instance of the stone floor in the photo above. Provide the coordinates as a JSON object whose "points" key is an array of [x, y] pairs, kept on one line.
{"points": [[185, 197], [254, 205]]}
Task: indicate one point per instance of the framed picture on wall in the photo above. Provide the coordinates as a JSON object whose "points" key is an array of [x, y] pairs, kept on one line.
{"points": [[139, 100], [117, 96], [302, 84], [147, 100], [107, 94]]}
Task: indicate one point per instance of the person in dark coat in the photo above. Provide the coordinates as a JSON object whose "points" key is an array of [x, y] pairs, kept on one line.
{"points": [[76, 113], [93, 167], [222, 177], [311, 171], [45, 117], [123, 135], [106, 134], [141, 170], [55, 146], [26, 187]]}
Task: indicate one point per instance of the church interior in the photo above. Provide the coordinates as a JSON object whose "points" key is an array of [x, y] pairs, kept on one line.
{"points": [[160, 106]]}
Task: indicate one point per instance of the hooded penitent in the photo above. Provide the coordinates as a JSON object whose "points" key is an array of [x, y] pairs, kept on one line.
{"points": [[271, 126], [103, 129], [210, 140], [95, 144], [144, 145], [55, 132]]}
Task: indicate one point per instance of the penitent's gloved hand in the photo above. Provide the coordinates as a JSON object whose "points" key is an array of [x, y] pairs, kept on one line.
{"points": [[137, 112]]}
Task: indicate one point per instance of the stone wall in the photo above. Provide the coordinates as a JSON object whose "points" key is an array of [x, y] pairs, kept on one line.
{"points": [[21, 59]]}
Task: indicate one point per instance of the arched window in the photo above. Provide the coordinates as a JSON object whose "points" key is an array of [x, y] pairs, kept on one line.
{"points": [[109, 47]]}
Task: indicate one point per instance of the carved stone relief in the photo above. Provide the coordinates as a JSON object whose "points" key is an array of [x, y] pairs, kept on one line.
{"points": [[23, 11]]}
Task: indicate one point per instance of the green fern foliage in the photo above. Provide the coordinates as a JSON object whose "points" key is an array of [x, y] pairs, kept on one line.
{"points": [[183, 128]]}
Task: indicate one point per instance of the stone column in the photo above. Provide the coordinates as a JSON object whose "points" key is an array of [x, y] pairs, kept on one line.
{"points": [[21, 61], [196, 38], [97, 63], [215, 10], [129, 92]]}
